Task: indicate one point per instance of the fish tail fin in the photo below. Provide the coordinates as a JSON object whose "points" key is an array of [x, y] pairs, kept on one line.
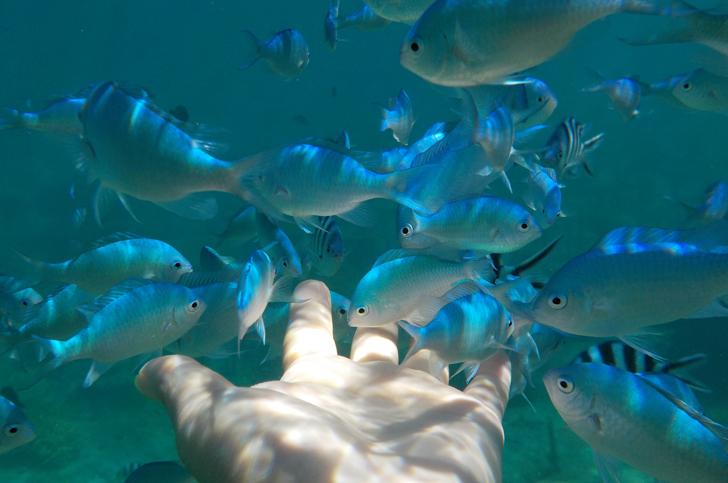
{"points": [[405, 188], [242, 171], [11, 119], [598, 81], [56, 349], [483, 272], [677, 368], [690, 211], [667, 8], [257, 49], [416, 334], [8, 340], [39, 271]]}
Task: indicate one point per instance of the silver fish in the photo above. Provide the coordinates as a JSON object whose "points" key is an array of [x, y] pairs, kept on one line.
{"points": [[469, 327], [470, 42], [543, 194], [398, 117], [484, 225], [241, 227], [60, 117], [401, 282], [701, 90], [280, 250], [713, 206], [363, 19], [567, 148], [135, 317], [330, 25], [637, 277], [17, 430], [55, 317], [325, 246], [286, 53], [135, 150], [112, 259], [626, 417], [625, 93]]}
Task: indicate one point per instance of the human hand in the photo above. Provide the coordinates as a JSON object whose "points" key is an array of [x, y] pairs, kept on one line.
{"points": [[330, 418]]}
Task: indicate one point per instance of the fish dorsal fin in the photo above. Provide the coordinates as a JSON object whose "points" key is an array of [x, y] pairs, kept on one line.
{"points": [[10, 284], [396, 254], [720, 431], [115, 292], [211, 260], [200, 279], [432, 305], [551, 173], [32, 311], [436, 128], [108, 240]]}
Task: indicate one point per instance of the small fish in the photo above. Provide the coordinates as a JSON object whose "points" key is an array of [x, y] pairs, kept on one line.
{"points": [[112, 259], [567, 148], [55, 318], [330, 27], [60, 117], [363, 19], [9, 393], [135, 317], [626, 417], [622, 356], [398, 118], [14, 305], [286, 53], [325, 247], [530, 101], [16, 428], [402, 281], [257, 287], [137, 150], [532, 351], [483, 225], [241, 227], [714, 204], [636, 277], [543, 193], [625, 93], [398, 11], [160, 472], [470, 42], [701, 90], [700, 27], [79, 216], [281, 251], [469, 327]]}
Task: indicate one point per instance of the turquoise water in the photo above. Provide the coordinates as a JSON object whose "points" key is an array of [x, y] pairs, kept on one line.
{"points": [[188, 53]]}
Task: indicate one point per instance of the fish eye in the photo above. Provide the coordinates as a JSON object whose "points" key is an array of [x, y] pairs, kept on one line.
{"points": [[523, 226], [557, 300], [540, 99], [342, 310], [194, 305], [328, 249], [362, 310], [566, 385], [687, 86], [10, 430], [406, 230], [24, 303], [417, 46], [176, 265], [560, 156], [285, 263], [510, 322]]}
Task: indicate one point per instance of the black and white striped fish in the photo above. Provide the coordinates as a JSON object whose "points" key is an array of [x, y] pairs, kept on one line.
{"points": [[325, 247], [566, 148], [622, 356]]}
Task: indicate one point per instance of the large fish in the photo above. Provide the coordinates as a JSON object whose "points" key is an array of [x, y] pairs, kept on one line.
{"points": [[629, 418], [112, 259], [134, 150], [398, 11], [638, 277], [471, 42], [135, 317], [16, 428]]}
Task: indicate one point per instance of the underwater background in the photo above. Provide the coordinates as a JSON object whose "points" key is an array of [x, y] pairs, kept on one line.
{"points": [[188, 53]]}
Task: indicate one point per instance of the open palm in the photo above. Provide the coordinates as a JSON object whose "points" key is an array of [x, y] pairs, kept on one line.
{"points": [[330, 418]]}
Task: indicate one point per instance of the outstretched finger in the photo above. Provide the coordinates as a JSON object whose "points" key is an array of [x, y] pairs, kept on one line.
{"points": [[310, 330], [375, 344], [492, 383]]}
